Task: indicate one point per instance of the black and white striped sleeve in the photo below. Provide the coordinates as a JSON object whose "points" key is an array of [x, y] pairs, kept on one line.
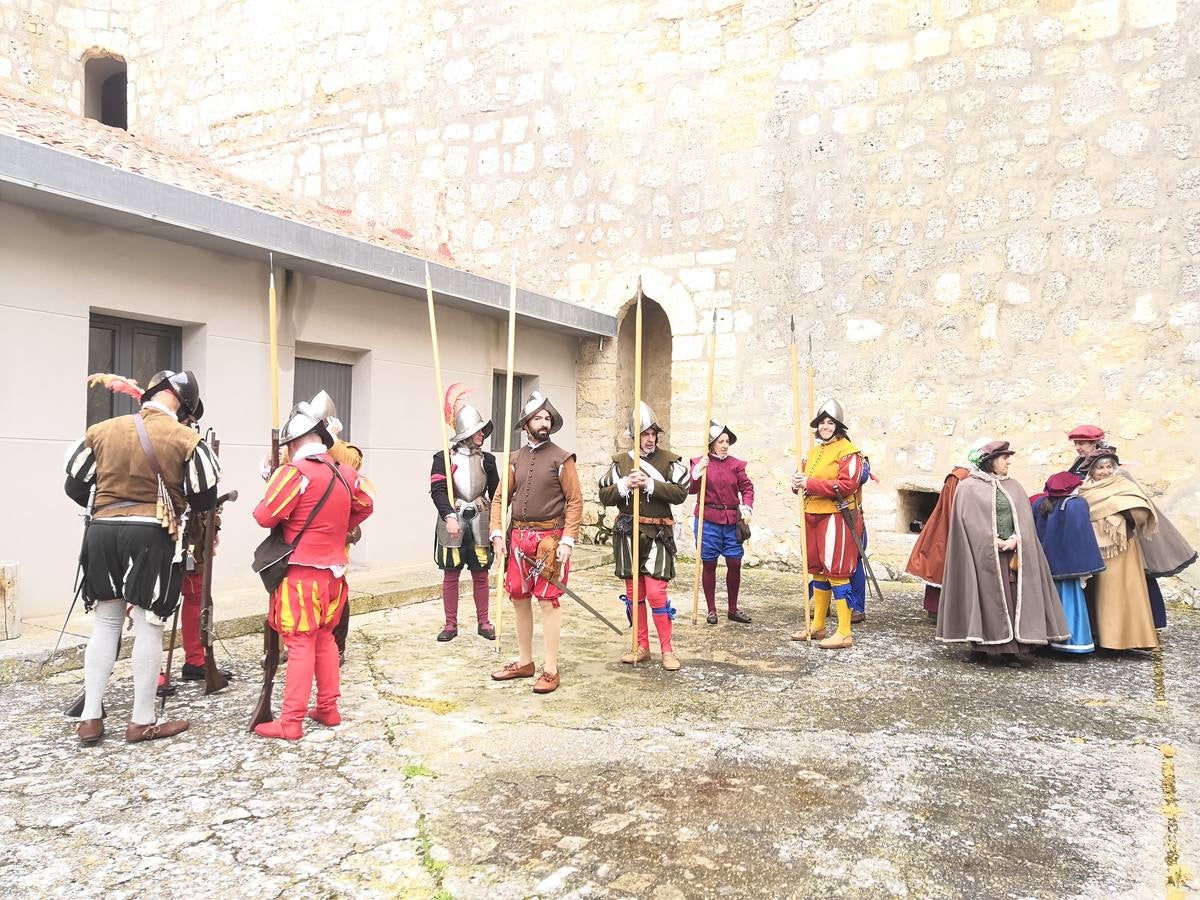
{"points": [[80, 463], [201, 473]]}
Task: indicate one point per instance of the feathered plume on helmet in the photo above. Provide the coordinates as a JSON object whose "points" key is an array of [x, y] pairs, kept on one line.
{"points": [[454, 400], [118, 384]]}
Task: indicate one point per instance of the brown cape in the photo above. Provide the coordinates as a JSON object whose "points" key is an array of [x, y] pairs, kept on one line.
{"points": [[928, 558], [1167, 552], [973, 607]]}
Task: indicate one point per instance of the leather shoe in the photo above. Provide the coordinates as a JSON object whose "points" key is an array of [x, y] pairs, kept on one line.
{"points": [[670, 662], [90, 731], [711, 619], [643, 654], [331, 717], [738, 616], [135, 734], [514, 670], [547, 684], [277, 730], [196, 673], [857, 618], [488, 632], [837, 641], [447, 634], [804, 634]]}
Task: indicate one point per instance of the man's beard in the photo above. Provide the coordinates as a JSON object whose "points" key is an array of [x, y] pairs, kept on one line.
{"points": [[541, 434]]}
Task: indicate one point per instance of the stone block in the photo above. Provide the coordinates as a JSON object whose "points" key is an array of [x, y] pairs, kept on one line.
{"points": [[1074, 197], [892, 55], [979, 31], [862, 330], [809, 276], [1144, 266], [1125, 138], [1004, 63], [1136, 190], [930, 43], [1151, 13], [1187, 186], [1025, 251], [1016, 294], [846, 63], [1094, 21], [1087, 98]]}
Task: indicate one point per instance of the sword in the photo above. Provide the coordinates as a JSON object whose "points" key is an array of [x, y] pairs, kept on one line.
{"points": [[535, 570], [844, 508]]}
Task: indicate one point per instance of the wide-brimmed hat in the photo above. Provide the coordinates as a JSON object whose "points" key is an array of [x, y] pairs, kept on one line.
{"points": [[647, 421], [993, 449], [468, 422], [1086, 433], [715, 430], [1103, 452], [535, 404], [1062, 484]]}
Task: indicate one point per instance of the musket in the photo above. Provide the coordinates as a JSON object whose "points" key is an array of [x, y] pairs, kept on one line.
{"points": [[214, 679], [270, 662], [712, 366], [165, 691]]}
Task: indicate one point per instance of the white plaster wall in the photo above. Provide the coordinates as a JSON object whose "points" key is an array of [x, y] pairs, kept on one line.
{"points": [[54, 271]]}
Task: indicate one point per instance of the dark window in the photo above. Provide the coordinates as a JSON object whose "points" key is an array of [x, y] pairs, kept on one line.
{"points": [[499, 382], [130, 348], [105, 91], [315, 375]]}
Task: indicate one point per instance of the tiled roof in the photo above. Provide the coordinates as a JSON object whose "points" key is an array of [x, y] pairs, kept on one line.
{"points": [[52, 127]]}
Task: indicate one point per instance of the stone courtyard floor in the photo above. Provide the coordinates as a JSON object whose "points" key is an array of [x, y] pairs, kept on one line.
{"points": [[761, 769]]}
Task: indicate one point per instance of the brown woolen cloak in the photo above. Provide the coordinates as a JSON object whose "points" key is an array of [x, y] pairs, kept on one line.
{"points": [[973, 608], [928, 558]]}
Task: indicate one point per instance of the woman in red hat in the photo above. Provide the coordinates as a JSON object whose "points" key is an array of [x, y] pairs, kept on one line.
{"points": [[1065, 532]]}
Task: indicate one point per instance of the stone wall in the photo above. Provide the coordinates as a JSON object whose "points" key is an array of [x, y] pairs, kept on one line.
{"points": [[984, 212]]}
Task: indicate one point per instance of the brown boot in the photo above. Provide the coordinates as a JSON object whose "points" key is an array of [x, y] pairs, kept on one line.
{"points": [[514, 670], [90, 731], [135, 734], [547, 684], [643, 654]]}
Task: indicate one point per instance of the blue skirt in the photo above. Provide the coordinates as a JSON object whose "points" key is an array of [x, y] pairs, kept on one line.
{"points": [[1070, 591]]}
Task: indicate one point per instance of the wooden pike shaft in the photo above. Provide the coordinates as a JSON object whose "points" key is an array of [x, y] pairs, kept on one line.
{"points": [[508, 402], [799, 438], [708, 408], [441, 397], [636, 424], [273, 328]]}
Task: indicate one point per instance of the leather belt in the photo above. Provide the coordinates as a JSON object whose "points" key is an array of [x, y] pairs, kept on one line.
{"points": [[646, 520], [547, 525]]}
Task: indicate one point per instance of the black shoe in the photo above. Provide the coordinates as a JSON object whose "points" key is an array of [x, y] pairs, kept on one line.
{"points": [[447, 634], [739, 616], [488, 632], [196, 673], [341, 658], [712, 619]]}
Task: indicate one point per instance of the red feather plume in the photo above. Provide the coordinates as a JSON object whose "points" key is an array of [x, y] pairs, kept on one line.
{"points": [[454, 400], [118, 384]]}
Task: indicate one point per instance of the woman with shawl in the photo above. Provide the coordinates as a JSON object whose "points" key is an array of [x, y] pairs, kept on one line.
{"points": [[1065, 531], [998, 594], [1122, 515]]}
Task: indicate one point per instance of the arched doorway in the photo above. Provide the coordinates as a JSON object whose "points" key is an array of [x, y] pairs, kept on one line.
{"points": [[656, 365]]}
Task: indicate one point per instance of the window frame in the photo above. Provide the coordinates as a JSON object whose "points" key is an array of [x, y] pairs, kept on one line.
{"points": [[125, 331]]}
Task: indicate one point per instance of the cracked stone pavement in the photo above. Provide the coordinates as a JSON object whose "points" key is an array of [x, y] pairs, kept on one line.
{"points": [[761, 769]]}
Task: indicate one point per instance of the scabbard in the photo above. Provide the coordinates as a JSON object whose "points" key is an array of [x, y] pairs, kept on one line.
{"points": [[849, 518]]}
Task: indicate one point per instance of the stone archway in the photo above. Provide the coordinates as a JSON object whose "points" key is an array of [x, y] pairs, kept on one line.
{"points": [[605, 372]]}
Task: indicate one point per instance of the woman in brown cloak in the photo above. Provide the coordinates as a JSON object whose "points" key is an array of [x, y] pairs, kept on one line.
{"points": [[1122, 516], [998, 595]]}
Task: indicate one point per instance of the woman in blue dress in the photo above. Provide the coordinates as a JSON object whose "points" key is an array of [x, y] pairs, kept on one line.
{"points": [[1064, 528]]}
